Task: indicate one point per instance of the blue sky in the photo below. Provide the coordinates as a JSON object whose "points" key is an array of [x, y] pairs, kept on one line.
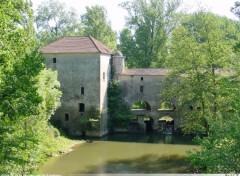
{"points": [[117, 15]]}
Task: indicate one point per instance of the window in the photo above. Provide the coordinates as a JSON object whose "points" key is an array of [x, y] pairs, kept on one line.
{"points": [[103, 75], [141, 78], [54, 60], [82, 90], [81, 107], [66, 117], [141, 89]]}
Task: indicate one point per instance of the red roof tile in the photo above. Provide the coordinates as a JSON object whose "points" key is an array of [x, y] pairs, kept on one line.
{"points": [[76, 45], [148, 71]]}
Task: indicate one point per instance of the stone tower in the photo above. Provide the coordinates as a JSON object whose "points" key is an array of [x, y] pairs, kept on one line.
{"points": [[118, 64], [84, 71]]}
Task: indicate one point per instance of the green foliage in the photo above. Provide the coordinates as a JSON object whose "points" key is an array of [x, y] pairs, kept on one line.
{"points": [[139, 105], [27, 98], [54, 21], [90, 121], [48, 89], [202, 56], [166, 105], [53, 143], [127, 46], [18, 95], [120, 114], [220, 150], [152, 23], [93, 115], [95, 24], [236, 9], [205, 83]]}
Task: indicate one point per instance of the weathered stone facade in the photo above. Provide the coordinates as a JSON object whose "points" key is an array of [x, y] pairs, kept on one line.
{"points": [[84, 68]]}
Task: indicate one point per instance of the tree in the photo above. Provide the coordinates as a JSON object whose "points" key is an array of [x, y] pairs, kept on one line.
{"points": [[205, 83], [236, 9], [95, 23], [120, 114], [128, 47], [17, 90], [152, 23], [21, 101], [54, 21], [201, 56], [220, 150]]}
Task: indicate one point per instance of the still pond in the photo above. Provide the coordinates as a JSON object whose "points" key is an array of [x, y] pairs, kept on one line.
{"points": [[125, 153]]}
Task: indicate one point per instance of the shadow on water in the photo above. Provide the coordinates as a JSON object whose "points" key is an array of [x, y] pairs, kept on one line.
{"points": [[125, 153], [145, 164], [150, 138]]}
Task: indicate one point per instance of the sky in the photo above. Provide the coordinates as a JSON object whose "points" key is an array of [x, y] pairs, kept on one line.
{"points": [[117, 14]]}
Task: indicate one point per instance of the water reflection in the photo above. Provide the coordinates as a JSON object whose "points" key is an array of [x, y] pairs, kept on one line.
{"points": [[122, 153], [150, 138], [144, 164]]}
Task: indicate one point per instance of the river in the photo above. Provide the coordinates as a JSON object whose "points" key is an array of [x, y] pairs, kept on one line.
{"points": [[125, 153]]}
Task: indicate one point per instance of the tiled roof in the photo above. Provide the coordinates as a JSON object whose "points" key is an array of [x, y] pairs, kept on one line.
{"points": [[76, 45], [148, 71]]}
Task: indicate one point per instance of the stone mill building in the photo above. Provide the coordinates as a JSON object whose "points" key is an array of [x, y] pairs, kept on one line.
{"points": [[84, 68]]}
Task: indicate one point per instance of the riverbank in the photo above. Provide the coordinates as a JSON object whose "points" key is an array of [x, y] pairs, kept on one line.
{"points": [[66, 146]]}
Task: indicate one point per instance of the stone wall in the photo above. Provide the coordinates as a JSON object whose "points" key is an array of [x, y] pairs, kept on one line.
{"points": [[105, 77], [152, 86], [76, 72]]}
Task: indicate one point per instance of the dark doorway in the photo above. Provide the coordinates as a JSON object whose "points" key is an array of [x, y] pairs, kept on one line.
{"points": [[149, 124]]}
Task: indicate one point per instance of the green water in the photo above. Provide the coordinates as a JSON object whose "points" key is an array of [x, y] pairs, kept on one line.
{"points": [[124, 154]]}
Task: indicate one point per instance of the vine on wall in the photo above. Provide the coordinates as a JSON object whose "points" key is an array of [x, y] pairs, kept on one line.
{"points": [[120, 114]]}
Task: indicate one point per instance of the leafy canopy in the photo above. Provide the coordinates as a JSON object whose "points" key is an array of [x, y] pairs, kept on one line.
{"points": [[204, 82], [23, 119], [149, 25], [202, 56], [54, 20], [95, 24]]}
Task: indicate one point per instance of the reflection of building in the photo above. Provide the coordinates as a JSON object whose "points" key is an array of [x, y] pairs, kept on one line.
{"points": [[84, 68]]}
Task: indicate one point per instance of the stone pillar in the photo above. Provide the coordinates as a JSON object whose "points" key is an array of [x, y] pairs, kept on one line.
{"points": [[141, 122], [155, 124]]}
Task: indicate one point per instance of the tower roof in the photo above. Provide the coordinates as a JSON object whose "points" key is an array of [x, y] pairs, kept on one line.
{"points": [[76, 44], [118, 53]]}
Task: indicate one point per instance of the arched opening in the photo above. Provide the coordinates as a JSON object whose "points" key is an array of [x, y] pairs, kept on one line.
{"points": [[166, 125], [140, 105], [165, 105], [149, 124]]}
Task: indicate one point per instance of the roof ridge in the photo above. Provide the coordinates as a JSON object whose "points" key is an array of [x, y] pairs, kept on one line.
{"points": [[92, 39]]}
